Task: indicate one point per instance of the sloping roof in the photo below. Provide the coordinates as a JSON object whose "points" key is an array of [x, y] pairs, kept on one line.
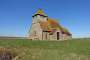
{"points": [[52, 25], [65, 31], [44, 25], [40, 12]]}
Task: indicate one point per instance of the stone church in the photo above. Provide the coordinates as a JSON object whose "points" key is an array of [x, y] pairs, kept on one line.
{"points": [[45, 28]]}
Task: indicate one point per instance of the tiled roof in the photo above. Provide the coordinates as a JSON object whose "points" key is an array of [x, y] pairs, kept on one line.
{"points": [[52, 25], [65, 31], [44, 25]]}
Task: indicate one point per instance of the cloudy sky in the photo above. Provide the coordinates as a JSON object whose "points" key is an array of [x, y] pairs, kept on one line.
{"points": [[16, 15]]}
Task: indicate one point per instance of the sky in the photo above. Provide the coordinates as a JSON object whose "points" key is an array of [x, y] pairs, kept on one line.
{"points": [[16, 15]]}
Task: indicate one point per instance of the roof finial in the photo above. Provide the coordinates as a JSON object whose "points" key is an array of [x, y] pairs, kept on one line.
{"points": [[40, 12]]}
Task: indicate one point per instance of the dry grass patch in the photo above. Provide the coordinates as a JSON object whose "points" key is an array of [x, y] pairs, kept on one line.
{"points": [[6, 54]]}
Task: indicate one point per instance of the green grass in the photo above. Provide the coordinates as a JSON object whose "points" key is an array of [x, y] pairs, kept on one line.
{"points": [[75, 49]]}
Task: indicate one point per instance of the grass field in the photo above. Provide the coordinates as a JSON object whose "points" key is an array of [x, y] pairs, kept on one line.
{"points": [[76, 49]]}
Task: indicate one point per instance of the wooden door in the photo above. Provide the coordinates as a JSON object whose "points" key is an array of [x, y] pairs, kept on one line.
{"points": [[57, 35]]}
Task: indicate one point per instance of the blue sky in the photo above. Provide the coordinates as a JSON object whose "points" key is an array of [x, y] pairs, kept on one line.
{"points": [[16, 15]]}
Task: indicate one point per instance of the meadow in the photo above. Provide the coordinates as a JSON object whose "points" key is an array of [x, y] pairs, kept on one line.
{"points": [[75, 49]]}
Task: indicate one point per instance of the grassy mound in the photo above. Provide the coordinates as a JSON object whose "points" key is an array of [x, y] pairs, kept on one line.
{"points": [[78, 49]]}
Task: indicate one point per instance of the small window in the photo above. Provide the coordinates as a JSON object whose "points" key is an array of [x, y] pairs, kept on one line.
{"points": [[34, 33]]}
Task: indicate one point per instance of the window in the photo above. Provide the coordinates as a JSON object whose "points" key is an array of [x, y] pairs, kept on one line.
{"points": [[34, 33]]}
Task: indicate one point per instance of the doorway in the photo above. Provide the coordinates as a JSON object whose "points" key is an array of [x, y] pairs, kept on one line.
{"points": [[57, 35]]}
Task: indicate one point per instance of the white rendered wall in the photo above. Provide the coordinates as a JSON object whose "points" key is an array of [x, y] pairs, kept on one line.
{"points": [[36, 28], [39, 18]]}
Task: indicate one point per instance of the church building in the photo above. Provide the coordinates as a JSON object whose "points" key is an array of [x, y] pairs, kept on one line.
{"points": [[45, 28]]}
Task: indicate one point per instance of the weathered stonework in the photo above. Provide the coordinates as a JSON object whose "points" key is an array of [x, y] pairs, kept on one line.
{"points": [[44, 28]]}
